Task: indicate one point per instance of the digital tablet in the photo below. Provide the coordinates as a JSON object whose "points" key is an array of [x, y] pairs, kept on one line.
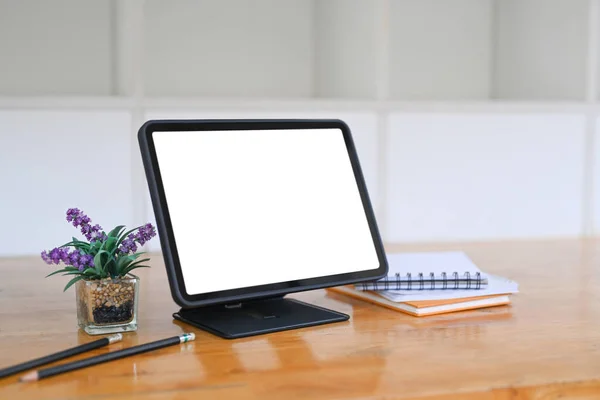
{"points": [[249, 209]]}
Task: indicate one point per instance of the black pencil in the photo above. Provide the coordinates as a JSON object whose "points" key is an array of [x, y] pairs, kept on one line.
{"points": [[88, 362], [60, 355]]}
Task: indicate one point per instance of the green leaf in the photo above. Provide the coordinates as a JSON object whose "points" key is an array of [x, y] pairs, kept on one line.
{"points": [[90, 272], [139, 262], [96, 246], [76, 242], [82, 245], [98, 262], [133, 257], [124, 235], [131, 268], [109, 244], [123, 262], [73, 273], [110, 267], [66, 269], [72, 281], [115, 232], [99, 266]]}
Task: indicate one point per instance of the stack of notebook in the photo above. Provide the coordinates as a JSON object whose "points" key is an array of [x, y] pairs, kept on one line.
{"points": [[432, 283]]}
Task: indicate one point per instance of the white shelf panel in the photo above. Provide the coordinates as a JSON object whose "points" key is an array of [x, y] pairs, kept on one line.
{"points": [[450, 175], [540, 49], [234, 48], [54, 160], [292, 104], [429, 50], [345, 51], [440, 50], [66, 102], [59, 47], [478, 177]]}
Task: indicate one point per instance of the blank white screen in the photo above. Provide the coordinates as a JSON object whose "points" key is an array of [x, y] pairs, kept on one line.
{"points": [[262, 206]]}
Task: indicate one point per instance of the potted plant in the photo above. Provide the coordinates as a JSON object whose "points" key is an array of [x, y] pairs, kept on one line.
{"points": [[106, 290]]}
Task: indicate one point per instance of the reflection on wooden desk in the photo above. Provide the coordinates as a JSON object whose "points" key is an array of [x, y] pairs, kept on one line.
{"points": [[545, 344]]}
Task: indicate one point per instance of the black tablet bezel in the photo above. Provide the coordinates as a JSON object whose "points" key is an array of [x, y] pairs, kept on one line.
{"points": [[165, 231]]}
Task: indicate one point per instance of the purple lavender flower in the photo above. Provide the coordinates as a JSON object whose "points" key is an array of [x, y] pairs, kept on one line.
{"points": [[128, 245], [81, 261], [86, 229], [55, 256], [64, 255], [96, 233], [74, 258], [145, 233], [79, 219], [142, 235], [46, 257], [86, 260], [72, 213]]}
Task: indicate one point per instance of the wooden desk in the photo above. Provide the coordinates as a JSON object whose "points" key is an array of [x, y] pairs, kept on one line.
{"points": [[546, 345]]}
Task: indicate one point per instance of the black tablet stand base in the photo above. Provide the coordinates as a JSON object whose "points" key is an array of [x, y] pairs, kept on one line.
{"points": [[257, 317]]}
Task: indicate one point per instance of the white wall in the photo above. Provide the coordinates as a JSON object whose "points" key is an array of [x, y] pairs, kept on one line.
{"points": [[41, 55], [540, 49], [53, 160], [413, 79], [477, 177], [415, 50], [432, 176], [440, 50], [345, 49], [245, 48]]}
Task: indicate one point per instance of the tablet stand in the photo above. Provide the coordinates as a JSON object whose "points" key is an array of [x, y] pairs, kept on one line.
{"points": [[257, 317]]}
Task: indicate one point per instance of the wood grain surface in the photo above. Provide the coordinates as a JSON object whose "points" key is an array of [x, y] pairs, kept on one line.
{"points": [[546, 345]]}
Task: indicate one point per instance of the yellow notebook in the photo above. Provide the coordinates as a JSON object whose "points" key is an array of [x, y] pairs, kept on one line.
{"points": [[425, 307]]}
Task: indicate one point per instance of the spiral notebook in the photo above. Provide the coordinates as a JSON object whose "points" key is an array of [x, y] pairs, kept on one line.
{"points": [[441, 270], [497, 285], [425, 307]]}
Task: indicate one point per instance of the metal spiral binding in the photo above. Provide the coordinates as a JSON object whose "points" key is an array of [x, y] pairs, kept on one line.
{"points": [[471, 281], [455, 275], [445, 278], [468, 275]]}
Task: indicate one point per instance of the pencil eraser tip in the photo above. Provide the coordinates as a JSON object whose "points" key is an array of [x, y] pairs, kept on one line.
{"points": [[187, 337], [115, 338]]}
